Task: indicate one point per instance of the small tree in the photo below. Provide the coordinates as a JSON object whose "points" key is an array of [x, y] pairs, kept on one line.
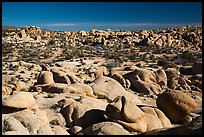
{"points": [[51, 42]]}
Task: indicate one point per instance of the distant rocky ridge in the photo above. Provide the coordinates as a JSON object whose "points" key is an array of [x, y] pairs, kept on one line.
{"points": [[14, 27], [105, 43], [9, 27]]}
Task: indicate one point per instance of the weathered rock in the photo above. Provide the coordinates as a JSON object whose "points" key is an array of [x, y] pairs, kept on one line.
{"points": [[124, 112], [28, 121], [59, 131], [20, 86], [152, 122], [159, 42], [175, 104], [110, 88], [156, 118], [45, 67], [77, 114], [198, 108], [145, 81], [6, 90], [192, 128], [82, 33], [172, 72], [177, 81], [124, 82], [45, 77], [161, 77], [36, 121], [60, 76], [145, 75], [74, 79], [11, 126], [143, 33], [50, 88], [169, 40], [23, 36], [104, 128], [65, 102], [149, 100], [76, 129], [94, 103], [148, 88], [19, 100], [80, 88], [101, 71], [77, 88]]}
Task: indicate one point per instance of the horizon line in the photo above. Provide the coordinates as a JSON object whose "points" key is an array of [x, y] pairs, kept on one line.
{"points": [[166, 25]]}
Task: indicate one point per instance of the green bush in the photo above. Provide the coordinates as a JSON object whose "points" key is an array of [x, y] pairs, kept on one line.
{"points": [[6, 49], [162, 62], [143, 57], [110, 55], [187, 56], [46, 55], [133, 56], [51, 42]]}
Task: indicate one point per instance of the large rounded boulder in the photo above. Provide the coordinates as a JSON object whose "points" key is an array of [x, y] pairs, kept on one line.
{"points": [[176, 105], [45, 77], [111, 88]]}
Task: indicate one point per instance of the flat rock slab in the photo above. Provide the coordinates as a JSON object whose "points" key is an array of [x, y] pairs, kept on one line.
{"points": [[19, 100]]}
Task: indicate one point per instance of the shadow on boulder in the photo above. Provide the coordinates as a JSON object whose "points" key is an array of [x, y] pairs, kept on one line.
{"points": [[7, 110], [91, 117]]}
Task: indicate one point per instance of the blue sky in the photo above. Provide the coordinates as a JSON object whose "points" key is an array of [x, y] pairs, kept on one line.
{"points": [[101, 15]]}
